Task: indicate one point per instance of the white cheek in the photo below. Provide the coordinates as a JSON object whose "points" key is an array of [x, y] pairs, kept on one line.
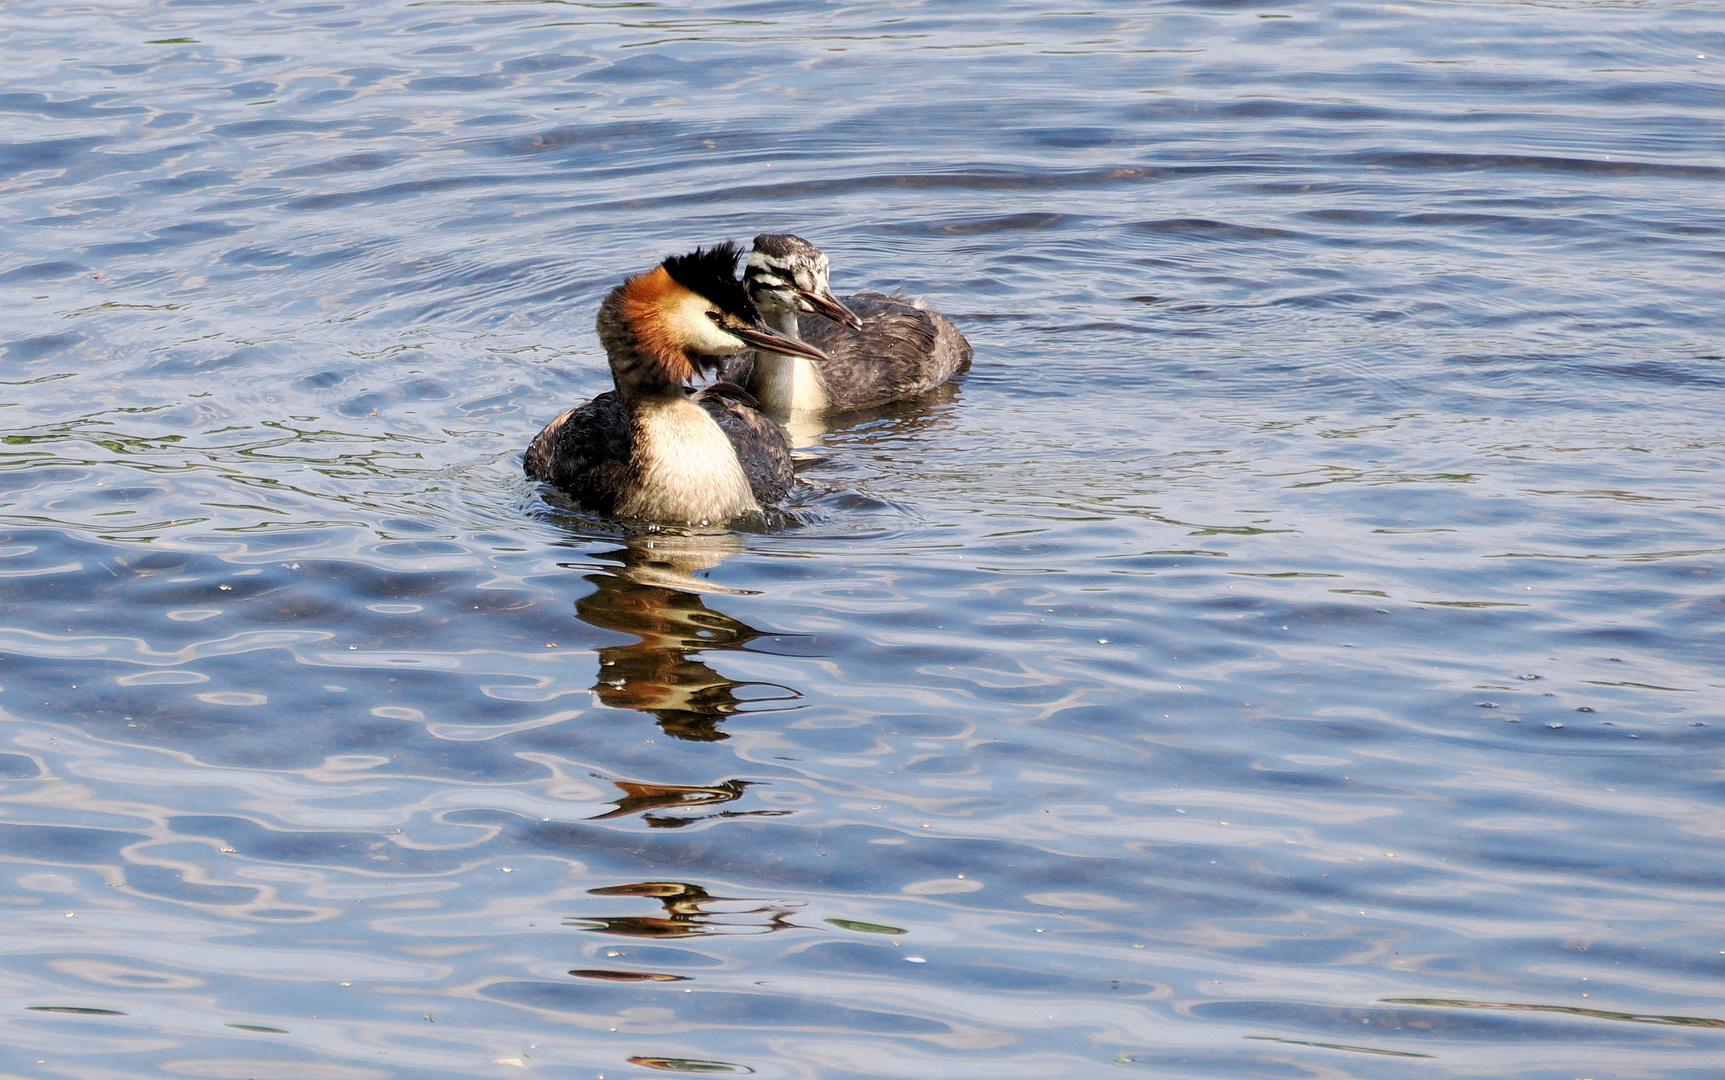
{"points": [[700, 333]]}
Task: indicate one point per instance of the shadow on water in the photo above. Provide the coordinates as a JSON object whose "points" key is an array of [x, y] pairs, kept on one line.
{"points": [[655, 597]]}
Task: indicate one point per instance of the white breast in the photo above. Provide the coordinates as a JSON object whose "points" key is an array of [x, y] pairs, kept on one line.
{"points": [[687, 468]]}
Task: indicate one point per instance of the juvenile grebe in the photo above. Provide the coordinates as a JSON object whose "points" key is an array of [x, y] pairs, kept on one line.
{"points": [[879, 348], [652, 449]]}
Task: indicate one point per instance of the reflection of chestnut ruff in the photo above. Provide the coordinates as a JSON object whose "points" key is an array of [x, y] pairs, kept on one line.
{"points": [[689, 911], [643, 798], [658, 673]]}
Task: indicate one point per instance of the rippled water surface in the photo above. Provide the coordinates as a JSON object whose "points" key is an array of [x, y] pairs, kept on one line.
{"points": [[1295, 649]]}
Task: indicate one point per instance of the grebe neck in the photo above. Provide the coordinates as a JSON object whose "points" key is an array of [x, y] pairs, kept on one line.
{"points": [[786, 385], [682, 464]]}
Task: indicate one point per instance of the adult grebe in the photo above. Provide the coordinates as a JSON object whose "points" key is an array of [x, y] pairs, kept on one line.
{"points": [[882, 348], [652, 449]]}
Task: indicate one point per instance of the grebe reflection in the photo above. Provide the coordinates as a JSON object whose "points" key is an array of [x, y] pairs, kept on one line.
{"points": [[690, 911], [655, 596]]}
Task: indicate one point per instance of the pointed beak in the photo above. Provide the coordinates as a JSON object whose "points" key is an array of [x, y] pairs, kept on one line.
{"points": [[763, 337], [827, 305]]}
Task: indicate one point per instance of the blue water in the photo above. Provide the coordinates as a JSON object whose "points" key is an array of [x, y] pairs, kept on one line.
{"points": [[1295, 649]]}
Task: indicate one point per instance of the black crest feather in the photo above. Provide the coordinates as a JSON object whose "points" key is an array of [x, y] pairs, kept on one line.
{"points": [[712, 272]]}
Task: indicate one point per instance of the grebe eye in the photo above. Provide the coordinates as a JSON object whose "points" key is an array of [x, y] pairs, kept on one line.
{"points": [[716, 316]]}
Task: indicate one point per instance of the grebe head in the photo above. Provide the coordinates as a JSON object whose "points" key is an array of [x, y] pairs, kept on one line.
{"points": [[787, 273], [686, 312]]}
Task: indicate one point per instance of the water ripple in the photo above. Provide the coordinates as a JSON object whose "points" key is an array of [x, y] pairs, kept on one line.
{"points": [[1293, 646]]}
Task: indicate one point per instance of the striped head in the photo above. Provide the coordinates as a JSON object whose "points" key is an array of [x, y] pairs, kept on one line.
{"points": [[788, 274]]}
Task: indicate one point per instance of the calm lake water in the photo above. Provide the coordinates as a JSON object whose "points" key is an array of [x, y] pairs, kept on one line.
{"points": [[1296, 648]]}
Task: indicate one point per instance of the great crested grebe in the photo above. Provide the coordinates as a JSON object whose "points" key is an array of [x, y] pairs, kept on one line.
{"points": [[879, 348], [652, 448]]}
